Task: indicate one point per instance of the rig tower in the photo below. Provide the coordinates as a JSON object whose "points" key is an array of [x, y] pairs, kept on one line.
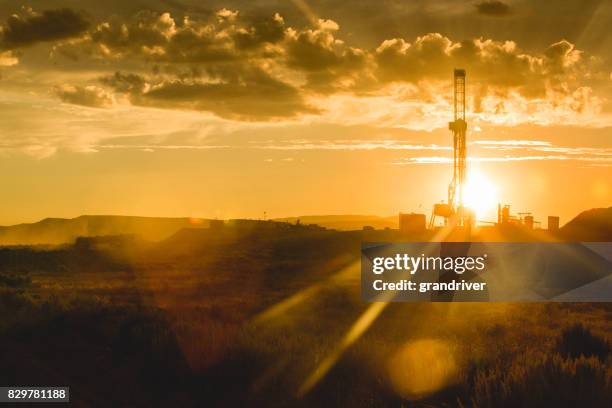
{"points": [[454, 211], [459, 127]]}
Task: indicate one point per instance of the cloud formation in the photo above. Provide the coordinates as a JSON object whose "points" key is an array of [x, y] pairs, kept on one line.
{"points": [[8, 59], [500, 64], [493, 8], [242, 94], [326, 61], [91, 96], [30, 27], [257, 67]]}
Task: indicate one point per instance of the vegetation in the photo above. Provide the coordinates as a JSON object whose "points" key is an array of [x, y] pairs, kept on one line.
{"points": [[245, 316]]}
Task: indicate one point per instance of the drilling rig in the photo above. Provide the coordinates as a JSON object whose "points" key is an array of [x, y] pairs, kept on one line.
{"points": [[453, 211]]}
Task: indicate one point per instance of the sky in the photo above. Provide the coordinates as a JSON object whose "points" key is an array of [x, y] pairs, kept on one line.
{"points": [[299, 107]]}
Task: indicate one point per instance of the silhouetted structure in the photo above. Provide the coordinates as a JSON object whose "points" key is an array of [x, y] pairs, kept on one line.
{"points": [[412, 223], [459, 127], [553, 223], [454, 209], [528, 222]]}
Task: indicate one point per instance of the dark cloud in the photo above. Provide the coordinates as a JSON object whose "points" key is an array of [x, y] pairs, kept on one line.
{"points": [[125, 83], [29, 27], [260, 30], [316, 49], [246, 95], [160, 37], [493, 8], [328, 63], [428, 57], [499, 66]]}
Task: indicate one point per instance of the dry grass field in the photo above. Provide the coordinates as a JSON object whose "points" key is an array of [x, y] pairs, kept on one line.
{"points": [[274, 317]]}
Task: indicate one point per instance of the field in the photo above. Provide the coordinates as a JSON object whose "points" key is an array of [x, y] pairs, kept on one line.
{"points": [[272, 316]]}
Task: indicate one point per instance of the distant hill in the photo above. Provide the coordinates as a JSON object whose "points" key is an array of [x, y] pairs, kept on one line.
{"points": [[65, 230], [345, 222], [591, 225]]}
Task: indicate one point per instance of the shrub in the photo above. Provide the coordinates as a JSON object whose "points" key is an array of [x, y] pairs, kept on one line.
{"points": [[578, 341]]}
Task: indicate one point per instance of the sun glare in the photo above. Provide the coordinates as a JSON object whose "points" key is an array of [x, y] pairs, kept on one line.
{"points": [[480, 194]]}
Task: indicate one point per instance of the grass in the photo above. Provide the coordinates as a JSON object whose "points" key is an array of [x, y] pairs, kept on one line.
{"points": [[538, 380], [180, 325]]}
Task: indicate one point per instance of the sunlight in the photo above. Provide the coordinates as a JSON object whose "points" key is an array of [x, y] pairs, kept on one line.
{"points": [[480, 194]]}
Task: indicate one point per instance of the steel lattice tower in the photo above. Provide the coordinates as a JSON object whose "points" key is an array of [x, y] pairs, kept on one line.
{"points": [[459, 127]]}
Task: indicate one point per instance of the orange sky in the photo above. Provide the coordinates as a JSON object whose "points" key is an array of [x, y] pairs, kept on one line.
{"points": [[322, 107]]}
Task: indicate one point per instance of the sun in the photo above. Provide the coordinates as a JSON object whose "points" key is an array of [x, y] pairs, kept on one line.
{"points": [[480, 194]]}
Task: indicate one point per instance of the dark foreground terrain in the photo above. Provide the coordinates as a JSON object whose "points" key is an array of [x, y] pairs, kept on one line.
{"points": [[270, 315]]}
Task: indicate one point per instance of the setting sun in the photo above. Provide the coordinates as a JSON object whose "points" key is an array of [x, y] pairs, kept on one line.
{"points": [[480, 194]]}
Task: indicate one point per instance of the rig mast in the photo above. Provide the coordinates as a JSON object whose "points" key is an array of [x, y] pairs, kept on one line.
{"points": [[458, 126], [454, 211]]}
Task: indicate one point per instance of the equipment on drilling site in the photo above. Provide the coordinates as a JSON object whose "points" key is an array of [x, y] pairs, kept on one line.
{"points": [[553, 223], [453, 211], [524, 219]]}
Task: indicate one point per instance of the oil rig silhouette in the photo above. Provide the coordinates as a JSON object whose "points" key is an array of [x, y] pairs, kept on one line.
{"points": [[454, 213]]}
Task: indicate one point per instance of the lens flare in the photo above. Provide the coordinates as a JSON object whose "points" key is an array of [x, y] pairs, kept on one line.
{"points": [[422, 367]]}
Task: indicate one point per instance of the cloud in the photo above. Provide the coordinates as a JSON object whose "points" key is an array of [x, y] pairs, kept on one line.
{"points": [[561, 57], [543, 146], [248, 94], [7, 59], [133, 84], [512, 143], [328, 63], [325, 61], [493, 8], [495, 68], [159, 37], [29, 27], [156, 36], [522, 151], [595, 161], [348, 145], [260, 30], [91, 96], [223, 61], [315, 49], [430, 56], [433, 56]]}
